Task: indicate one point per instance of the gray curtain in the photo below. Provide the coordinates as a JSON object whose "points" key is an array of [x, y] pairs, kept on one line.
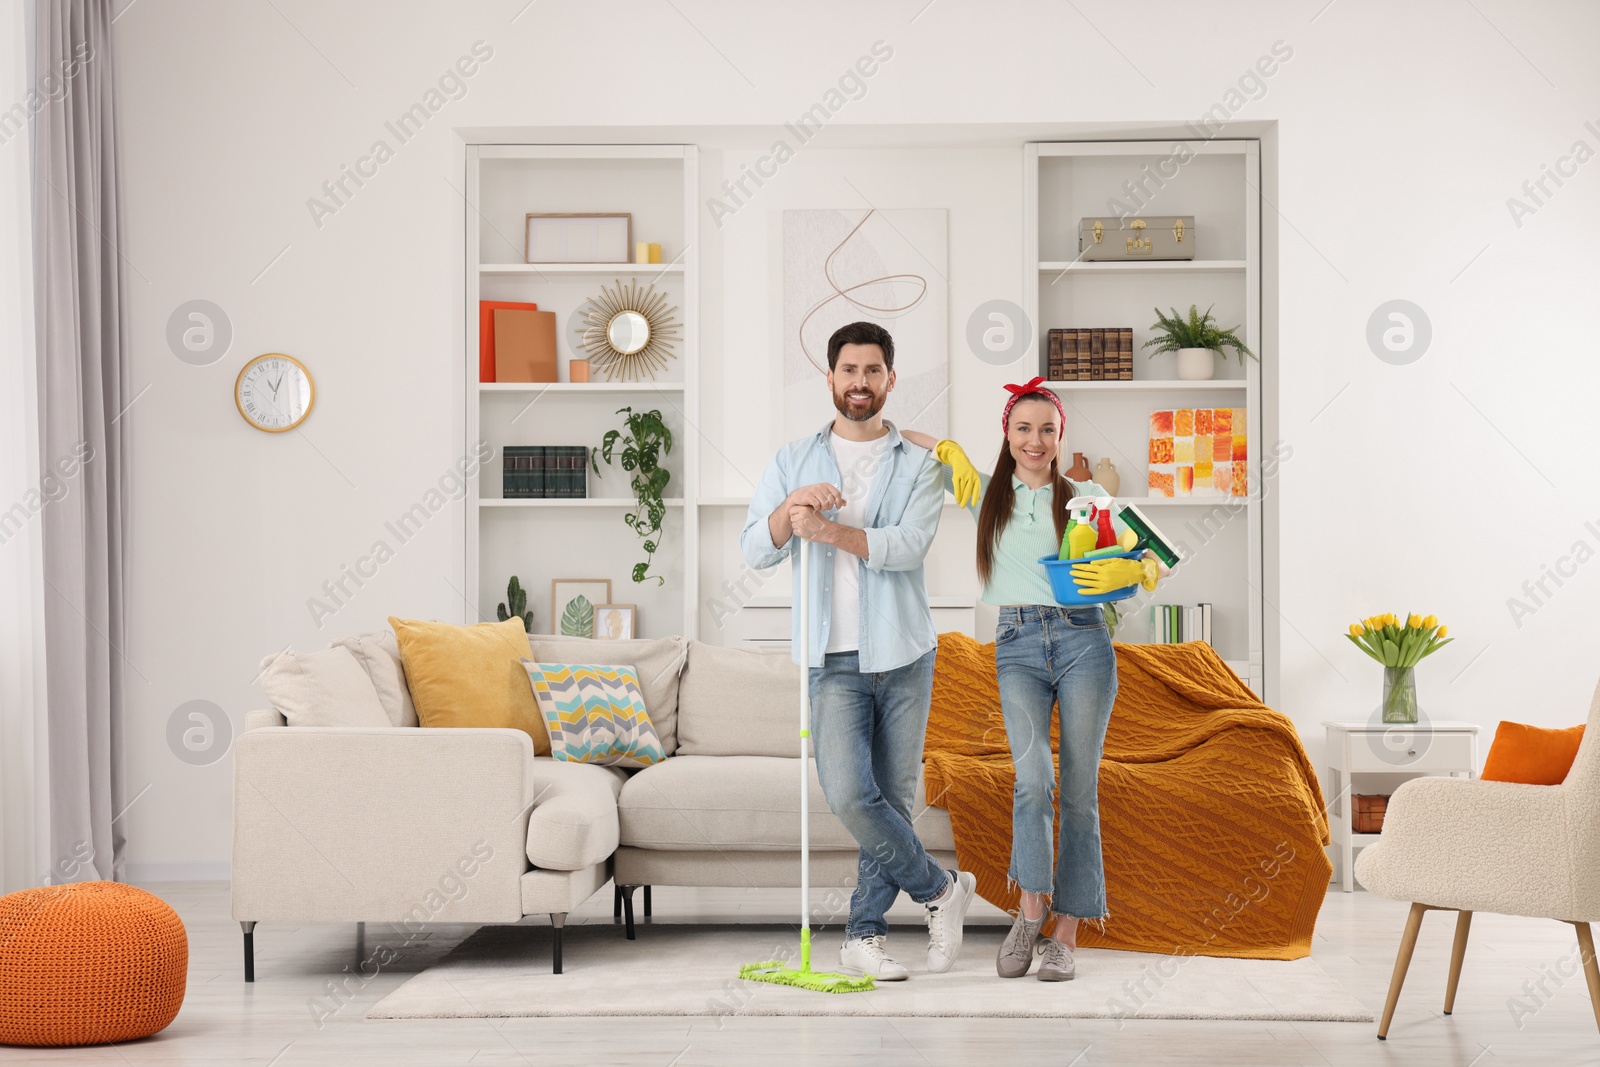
{"points": [[81, 324]]}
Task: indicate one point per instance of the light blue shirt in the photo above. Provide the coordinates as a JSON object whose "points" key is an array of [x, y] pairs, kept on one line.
{"points": [[903, 508]]}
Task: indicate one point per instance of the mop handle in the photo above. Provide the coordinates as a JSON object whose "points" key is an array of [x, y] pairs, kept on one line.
{"points": [[805, 732]]}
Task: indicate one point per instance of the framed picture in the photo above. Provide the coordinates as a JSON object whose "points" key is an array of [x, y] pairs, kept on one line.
{"points": [[615, 622], [579, 238], [572, 603]]}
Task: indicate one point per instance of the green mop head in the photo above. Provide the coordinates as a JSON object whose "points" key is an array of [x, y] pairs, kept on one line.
{"points": [[780, 973]]}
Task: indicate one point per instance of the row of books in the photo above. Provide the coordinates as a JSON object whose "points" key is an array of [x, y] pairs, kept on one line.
{"points": [[1171, 624], [545, 472], [1090, 355]]}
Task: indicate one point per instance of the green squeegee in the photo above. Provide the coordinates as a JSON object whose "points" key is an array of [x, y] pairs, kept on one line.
{"points": [[1149, 536], [777, 971]]}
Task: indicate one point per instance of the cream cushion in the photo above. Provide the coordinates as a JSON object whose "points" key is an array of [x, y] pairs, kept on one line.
{"points": [[657, 662], [379, 655], [327, 688], [738, 703], [574, 824]]}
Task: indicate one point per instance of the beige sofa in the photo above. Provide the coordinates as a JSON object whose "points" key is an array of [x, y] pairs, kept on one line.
{"points": [[410, 826]]}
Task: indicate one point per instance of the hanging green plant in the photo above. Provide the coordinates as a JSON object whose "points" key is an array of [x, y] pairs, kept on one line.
{"points": [[644, 439]]}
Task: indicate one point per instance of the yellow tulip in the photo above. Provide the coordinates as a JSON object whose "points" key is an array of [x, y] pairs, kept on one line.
{"points": [[1413, 622], [1431, 621], [1389, 618], [1444, 631], [1355, 630]]}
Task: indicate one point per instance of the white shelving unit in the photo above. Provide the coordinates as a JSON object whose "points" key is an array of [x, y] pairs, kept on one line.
{"points": [[1066, 181], [539, 540]]}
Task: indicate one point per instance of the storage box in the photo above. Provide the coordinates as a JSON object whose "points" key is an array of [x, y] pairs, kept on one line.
{"points": [[1156, 237], [1366, 813]]}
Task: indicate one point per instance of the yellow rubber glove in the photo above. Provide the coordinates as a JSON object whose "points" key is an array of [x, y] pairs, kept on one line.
{"points": [[963, 475], [1108, 575]]}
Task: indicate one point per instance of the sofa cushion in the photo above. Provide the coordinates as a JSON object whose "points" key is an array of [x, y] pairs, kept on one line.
{"points": [[1532, 755], [326, 688], [573, 823], [743, 803], [470, 676], [594, 713], [658, 662], [734, 702], [379, 655]]}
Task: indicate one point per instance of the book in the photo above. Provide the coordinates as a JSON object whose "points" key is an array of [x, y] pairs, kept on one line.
{"points": [[1125, 353], [524, 345], [1055, 369], [520, 471], [1097, 354], [486, 310], [1080, 355]]}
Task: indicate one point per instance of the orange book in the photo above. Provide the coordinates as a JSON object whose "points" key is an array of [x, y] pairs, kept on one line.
{"points": [[525, 345], [486, 310]]}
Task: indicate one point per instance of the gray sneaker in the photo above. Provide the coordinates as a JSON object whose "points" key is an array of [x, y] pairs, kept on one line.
{"points": [[1057, 965], [1016, 951]]}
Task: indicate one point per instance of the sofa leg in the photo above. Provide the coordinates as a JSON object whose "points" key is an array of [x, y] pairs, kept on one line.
{"points": [[249, 949], [627, 910], [647, 902], [1402, 961], [558, 919], [616, 901], [1591, 968], [1457, 951]]}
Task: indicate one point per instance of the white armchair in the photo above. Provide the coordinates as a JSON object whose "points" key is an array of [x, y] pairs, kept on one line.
{"points": [[1465, 845]]}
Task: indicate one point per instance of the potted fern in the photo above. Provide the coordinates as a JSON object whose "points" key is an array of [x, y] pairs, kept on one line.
{"points": [[1197, 340]]}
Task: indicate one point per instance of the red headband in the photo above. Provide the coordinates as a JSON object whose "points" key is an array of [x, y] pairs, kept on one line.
{"points": [[1030, 388]]}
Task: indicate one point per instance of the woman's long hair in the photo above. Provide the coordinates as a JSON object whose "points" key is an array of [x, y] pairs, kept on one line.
{"points": [[1000, 499]]}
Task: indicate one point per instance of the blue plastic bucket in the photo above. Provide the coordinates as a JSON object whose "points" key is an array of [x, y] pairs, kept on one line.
{"points": [[1066, 590]]}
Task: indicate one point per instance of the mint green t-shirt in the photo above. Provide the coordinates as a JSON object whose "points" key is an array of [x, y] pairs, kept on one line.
{"points": [[1018, 577]]}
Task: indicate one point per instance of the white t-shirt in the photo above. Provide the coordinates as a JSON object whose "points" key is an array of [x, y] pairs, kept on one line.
{"points": [[859, 465]]}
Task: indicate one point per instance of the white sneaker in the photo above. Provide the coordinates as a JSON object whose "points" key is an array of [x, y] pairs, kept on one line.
{"points": [[866, 955], [945, 922]]}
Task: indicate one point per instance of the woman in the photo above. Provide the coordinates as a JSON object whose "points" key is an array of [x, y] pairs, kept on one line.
{"points": [[1044, 654]]}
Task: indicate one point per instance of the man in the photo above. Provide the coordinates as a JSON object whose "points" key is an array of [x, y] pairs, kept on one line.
{"points": [[872, 642]]}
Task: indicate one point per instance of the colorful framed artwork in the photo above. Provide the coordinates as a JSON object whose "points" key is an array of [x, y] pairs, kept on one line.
{"points": [[1199, 452], [572, 603], [615, 622]]}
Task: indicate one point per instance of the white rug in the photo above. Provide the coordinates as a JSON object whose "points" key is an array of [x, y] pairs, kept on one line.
{"points": [[684, 970]]}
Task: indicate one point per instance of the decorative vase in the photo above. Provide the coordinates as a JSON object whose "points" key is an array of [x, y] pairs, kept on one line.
{"points": [[1079, 471], [1105, 473], [1399, 695], [1196, 364]]}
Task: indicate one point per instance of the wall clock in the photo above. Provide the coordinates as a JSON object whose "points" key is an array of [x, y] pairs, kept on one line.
{"points": [[274, 392]]}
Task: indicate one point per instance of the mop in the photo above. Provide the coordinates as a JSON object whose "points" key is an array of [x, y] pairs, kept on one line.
{"points": [[777, 971]]}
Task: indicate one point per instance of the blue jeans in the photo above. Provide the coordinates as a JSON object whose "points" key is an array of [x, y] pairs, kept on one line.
{"points": [[867, 732], [1048, 655]]}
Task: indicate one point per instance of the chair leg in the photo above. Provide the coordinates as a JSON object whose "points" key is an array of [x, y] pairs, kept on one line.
{"points": [[1457, 951], [249, 950], [1591, 968], [616, 901], [1402, 961], [558, 919], [627, 910], [647, 902]]}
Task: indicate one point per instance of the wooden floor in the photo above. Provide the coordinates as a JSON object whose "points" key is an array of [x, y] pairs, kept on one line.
{"points": [[1514, 1005]]}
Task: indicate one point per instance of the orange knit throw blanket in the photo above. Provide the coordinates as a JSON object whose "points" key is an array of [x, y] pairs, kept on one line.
{"points": [[1212, 821]]}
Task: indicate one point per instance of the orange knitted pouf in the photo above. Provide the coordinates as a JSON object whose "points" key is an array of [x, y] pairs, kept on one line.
{"points": [[88, 963]]}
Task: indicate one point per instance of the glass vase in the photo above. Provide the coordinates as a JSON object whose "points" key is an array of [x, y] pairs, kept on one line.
{"points": [[1399, 694]]}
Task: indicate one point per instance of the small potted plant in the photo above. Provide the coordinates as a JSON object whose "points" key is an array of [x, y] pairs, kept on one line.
{"points": [[517, 603], [1197, 340]]}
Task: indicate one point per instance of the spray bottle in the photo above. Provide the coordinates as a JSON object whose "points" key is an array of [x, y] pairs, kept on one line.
{"points": [[1105, 533], [1081, 532]]}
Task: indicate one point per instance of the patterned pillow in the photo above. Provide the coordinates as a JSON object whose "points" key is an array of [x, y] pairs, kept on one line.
{"points": [[595, 713]]}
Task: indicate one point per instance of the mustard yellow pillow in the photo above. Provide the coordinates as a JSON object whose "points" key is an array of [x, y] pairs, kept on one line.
{"points": [[470, 676]]}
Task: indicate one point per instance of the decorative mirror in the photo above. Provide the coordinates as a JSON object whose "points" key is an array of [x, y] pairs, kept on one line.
{"points": [[629, 332]]}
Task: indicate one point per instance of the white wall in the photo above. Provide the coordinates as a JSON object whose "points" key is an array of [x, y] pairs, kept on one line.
{"points": [[1401, 134]]}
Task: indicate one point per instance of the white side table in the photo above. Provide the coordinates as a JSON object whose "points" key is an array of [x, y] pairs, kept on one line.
{"points": [[1364, 748]]}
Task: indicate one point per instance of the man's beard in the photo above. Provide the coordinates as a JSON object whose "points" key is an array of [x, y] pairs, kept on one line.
{"points": [[872, 408]]}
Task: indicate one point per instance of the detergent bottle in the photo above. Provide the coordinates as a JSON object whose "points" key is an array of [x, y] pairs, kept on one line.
{"points": [[1105, 533], [1081, 533]]}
